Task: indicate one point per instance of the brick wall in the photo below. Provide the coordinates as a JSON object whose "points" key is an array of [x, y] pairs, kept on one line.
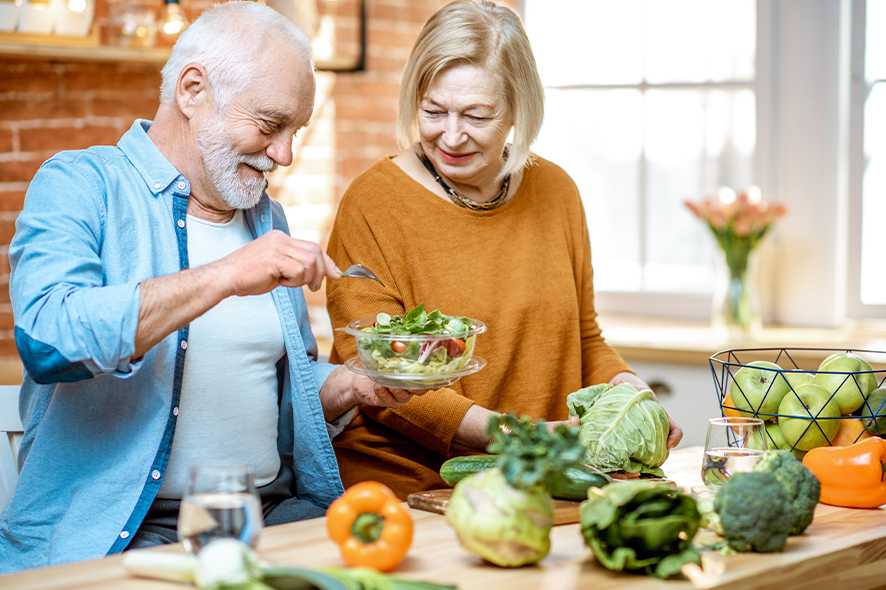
{"points": [[48, 106]]}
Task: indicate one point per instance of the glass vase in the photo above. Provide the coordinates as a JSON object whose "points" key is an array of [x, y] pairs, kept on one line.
{"points": [[736, 309]]}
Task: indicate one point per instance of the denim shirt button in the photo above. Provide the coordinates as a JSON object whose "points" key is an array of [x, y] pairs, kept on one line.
{"points": [[157, 185], [124, 535], [175, 411], [155, 474], [184, 344], [181, 184], [181, 223]]}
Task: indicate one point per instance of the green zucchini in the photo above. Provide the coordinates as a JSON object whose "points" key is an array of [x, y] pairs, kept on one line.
{"points": [[570, 484], [456, 469], [573, 482]]}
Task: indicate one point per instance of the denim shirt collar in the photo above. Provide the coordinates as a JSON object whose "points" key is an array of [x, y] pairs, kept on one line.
{"points": [[157, 172], [160, 175]]}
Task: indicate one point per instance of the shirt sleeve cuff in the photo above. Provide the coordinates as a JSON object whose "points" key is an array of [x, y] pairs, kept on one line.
{"points": [[321, 372], [335, 427]]}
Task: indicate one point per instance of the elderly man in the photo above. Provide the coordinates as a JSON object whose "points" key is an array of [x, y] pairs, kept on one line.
{"points": [[143, 355]]}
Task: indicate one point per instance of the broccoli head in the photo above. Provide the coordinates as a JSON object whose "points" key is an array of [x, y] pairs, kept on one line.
{"points": [[802, 487], [755, 512]]}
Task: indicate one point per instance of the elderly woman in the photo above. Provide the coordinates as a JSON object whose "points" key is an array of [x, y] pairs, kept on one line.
{"points": [[463, 222]]}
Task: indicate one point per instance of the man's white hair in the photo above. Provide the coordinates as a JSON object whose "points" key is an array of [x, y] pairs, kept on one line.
{"points": [[231, 42]]}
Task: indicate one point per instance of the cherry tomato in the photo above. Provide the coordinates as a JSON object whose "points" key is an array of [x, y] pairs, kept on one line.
{"points": [[455, 347], [398, 346]]}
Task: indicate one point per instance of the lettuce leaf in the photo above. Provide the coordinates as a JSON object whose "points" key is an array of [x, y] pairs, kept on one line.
{"points": [[622, 428], [641, 526]]}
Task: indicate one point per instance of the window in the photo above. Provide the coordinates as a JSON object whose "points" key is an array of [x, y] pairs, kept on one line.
{"points": [[872, 280], [649, 103]]}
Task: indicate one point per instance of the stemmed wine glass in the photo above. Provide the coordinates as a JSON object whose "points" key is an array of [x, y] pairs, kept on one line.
{"points": [[734, 444], [219, 501]]}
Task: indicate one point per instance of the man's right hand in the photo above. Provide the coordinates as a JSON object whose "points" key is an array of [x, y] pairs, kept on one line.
{"points": [[273, 260], [171, 302]]}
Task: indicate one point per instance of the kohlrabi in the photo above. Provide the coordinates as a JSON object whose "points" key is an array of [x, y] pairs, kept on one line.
{"points": [[505, 514]]}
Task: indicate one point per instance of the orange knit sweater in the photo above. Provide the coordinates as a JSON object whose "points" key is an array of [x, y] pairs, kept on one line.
{"points": [[524, 269]]}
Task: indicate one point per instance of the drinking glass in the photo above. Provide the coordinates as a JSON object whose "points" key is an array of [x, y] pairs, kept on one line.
{"points": [[219, 501], [733, 445]]}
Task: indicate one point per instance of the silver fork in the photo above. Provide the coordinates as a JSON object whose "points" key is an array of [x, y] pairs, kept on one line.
{"points": [[361, 272]]}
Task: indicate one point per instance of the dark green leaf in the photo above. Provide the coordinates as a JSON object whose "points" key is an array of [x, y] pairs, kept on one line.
{"points": [[641, 526], [413, 314], [530, 455]]}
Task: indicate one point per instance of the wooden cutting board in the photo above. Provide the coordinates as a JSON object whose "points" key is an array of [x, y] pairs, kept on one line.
{"points": [[565, 511]]}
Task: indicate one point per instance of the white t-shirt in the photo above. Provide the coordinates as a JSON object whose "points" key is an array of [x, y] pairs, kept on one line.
{"points": [[228, 407]]}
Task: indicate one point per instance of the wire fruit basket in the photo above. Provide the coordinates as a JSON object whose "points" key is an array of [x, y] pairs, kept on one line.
{"points": [[841, 402]]}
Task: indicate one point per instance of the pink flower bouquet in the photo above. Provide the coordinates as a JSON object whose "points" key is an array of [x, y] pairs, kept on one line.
{"points": [[738, 223]]}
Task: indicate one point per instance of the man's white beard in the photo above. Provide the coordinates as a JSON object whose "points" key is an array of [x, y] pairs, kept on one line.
{"points": [[221, 161]]}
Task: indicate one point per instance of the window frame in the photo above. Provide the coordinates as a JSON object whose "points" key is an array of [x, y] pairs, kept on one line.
{"points": [[860, 89]]}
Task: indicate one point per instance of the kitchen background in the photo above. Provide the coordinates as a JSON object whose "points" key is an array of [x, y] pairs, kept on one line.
{"points": [[60, 103], [650, 103]]}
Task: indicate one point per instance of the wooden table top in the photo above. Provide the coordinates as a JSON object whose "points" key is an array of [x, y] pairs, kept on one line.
{"points": [[842, 548]]}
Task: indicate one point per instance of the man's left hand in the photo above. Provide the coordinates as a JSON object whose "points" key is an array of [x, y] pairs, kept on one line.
{"points": [[345, 389], [370, 393]]}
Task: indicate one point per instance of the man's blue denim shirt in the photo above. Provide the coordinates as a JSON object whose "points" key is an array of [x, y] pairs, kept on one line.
{"points": [[99, 424]]}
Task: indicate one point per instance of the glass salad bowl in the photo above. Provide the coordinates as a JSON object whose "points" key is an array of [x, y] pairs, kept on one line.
{"points": [[417, 350]]}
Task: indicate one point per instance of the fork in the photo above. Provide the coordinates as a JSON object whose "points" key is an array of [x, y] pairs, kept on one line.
{"points": [[361, 272]]}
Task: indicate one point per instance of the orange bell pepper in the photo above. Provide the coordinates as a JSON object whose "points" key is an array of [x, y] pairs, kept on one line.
{"points": [[370, 526], [850, 476]]}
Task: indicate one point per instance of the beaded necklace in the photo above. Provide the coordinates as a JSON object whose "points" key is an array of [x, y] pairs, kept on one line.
{"points": [[461, 200]]}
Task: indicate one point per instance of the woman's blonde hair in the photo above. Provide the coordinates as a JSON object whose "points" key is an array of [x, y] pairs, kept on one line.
{"points": [[481, 34]]}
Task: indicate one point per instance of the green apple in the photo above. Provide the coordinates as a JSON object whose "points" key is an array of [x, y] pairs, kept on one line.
{"points": [[808, 417], [874, 410], [758, 388], [797, 378], [774, 440], [843, 375], [830, 358]]}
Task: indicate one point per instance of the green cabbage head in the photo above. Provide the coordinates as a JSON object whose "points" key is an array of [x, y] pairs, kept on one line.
{"points": [[622, 428]]}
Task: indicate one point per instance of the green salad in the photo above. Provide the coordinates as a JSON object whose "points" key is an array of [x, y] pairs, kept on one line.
{"points": [[418, 351]]}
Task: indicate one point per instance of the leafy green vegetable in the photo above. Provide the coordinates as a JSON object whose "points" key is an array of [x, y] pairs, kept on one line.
{"points": [[755, 512], [412, 353], [505, 514], [622, 428], [641, 526], [529, 454], [417, 321]]}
